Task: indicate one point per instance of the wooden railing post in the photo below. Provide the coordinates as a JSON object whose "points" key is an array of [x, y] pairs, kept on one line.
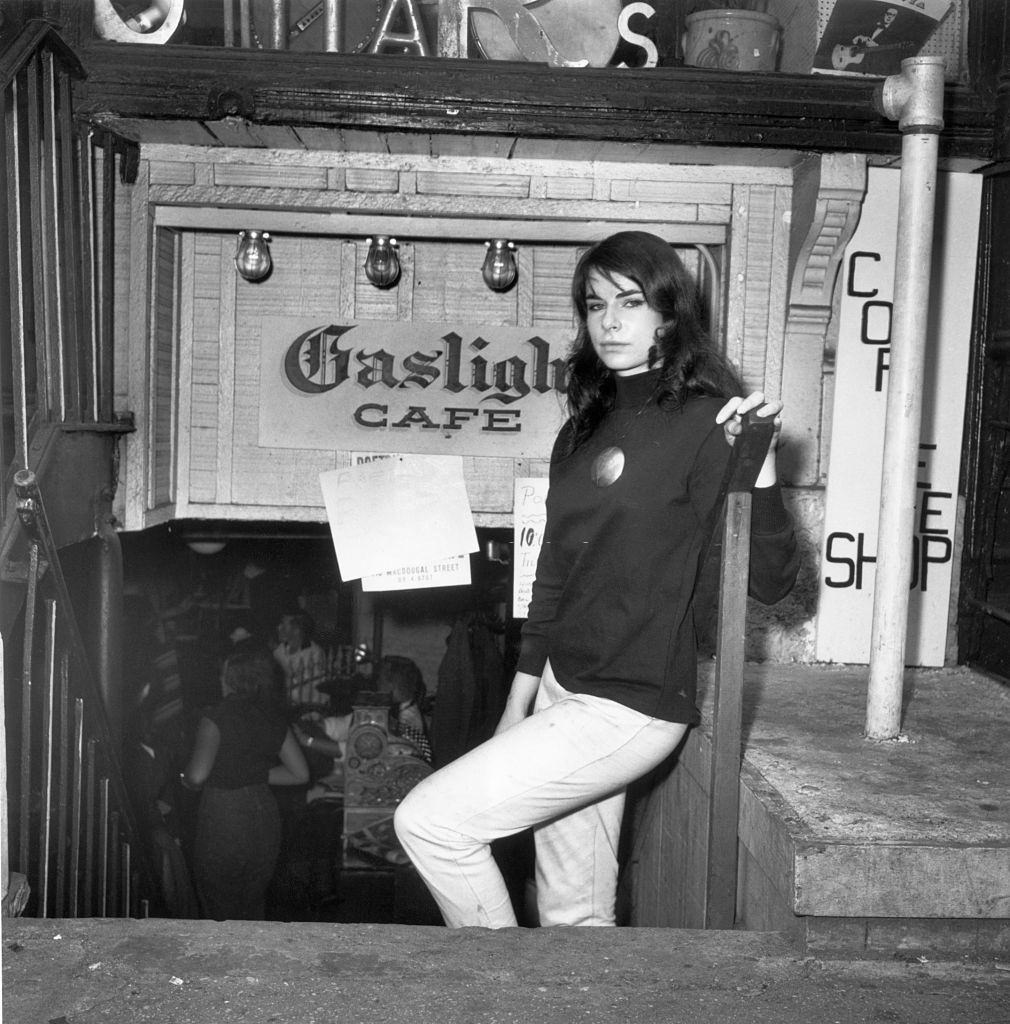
{"points": [[724, 778]]}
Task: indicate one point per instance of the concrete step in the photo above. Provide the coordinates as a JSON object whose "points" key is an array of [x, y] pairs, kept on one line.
{"points": [[852, 847]]}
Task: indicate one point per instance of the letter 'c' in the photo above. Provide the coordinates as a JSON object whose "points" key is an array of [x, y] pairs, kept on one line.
{"points": [[359, 415]]}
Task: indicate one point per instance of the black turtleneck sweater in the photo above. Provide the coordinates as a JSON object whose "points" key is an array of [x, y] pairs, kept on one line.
{"points": [[613, 600]]}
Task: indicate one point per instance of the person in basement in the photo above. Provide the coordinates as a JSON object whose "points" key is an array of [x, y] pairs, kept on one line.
{"points": [[243, 747], [605, 687]]}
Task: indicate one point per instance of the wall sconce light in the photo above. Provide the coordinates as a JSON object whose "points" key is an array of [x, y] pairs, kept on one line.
{"points": [[382, 265], [252, 257], [499, 270], [206, 547]]}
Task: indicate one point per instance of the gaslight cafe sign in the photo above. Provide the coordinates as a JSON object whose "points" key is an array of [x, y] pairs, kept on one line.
{"points": [[411, 387], [849, 554]]}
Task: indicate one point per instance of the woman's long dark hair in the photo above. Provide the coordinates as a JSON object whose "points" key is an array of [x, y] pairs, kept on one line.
{"points": [[689, 363]]}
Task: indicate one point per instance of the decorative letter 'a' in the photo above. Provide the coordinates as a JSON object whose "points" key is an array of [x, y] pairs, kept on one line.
{"points": [[406, 42]]}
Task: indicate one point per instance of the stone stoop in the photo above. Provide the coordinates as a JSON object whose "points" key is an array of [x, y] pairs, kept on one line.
{"points": [[850, 847]]}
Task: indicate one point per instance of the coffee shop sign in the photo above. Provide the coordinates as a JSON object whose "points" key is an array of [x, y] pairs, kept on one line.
{"points": [[427, 388]]}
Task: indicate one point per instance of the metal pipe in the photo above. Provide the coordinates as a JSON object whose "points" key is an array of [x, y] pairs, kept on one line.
{"points": [[279, 19], [331, 26], [915, 99], [228, 13], [244, 24]]}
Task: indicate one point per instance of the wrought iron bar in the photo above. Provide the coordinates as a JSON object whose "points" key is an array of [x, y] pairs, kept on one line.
{"points": [[24, 822], [103, 846], [76, 798], [90, 830], [33, 192], [15, 255], [108, 281], [71, 285], [46, 762], [88, 341], [55, 336], [63, 783], [115, 864], [126, 875]]}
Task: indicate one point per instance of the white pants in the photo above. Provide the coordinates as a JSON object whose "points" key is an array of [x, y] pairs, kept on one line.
{"points": [[564, 771]]}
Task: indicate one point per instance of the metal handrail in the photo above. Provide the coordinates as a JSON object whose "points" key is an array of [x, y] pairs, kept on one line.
{"points": [[78, 839], [987, 607], [73, 827]]}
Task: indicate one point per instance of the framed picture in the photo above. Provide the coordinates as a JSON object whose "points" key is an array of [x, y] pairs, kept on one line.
{"points": [[873, 37]]}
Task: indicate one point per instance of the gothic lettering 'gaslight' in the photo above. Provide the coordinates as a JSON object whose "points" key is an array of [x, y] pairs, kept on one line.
{"points": [[317, 362], [419, 386]]}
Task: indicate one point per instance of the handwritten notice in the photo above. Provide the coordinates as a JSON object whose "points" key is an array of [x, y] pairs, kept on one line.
{"points": [[529, 515], [405, 511]]}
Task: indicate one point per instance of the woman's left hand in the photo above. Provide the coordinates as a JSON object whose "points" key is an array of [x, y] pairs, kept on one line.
{"points": [[731, 417]]}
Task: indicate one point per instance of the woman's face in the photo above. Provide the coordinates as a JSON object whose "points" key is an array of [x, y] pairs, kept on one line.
{"points": [[622, 325]]}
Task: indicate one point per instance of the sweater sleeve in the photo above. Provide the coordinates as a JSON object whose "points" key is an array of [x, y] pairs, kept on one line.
{"points": [[547, 585], [774, 554]]}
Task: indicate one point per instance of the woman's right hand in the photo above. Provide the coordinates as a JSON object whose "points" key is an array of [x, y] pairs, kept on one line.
{"points": [[520, 701]]}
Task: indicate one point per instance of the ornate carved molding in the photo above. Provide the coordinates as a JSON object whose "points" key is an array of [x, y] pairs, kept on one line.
{"points": [[828, 199]]}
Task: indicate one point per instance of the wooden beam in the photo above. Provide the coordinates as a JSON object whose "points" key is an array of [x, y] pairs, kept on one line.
{"points": [[289, 222], [408, 93]]}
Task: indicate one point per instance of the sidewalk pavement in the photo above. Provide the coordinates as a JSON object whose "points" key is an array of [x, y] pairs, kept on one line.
{"points": [[201, 972]]}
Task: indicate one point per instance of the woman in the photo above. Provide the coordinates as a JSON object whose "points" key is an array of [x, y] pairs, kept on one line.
{"points": [[608, 658], [235, 760], [402, 680]]}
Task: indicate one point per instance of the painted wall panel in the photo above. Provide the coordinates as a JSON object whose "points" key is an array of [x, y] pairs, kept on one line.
{"points": [[860, 400]]}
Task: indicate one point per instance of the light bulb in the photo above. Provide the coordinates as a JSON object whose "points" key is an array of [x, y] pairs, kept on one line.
{"points": [[382, 265], [500, 270], [252, 257]]}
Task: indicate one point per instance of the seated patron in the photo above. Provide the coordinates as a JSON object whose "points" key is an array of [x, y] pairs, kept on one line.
{"points": [[301, 659], [402, 680]]}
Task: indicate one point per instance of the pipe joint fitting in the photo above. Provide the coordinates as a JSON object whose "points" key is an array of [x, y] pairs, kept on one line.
{"points": [[914, 98]]}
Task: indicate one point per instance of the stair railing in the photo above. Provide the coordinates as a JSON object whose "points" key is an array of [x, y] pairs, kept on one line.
{"points": [[77, 839], [56, 360], [69, 831]]}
